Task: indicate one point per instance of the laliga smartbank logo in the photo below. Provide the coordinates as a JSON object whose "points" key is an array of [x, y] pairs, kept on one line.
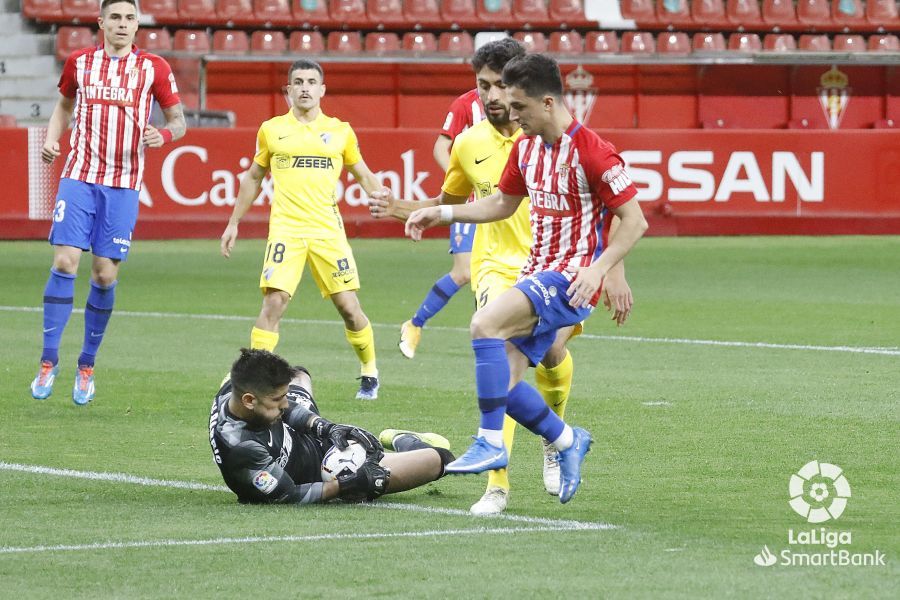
{"points": [[818, 493]]}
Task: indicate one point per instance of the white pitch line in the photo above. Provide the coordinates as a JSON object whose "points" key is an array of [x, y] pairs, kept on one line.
{"points": [[884, 351], [190, 485], [283, 538]]}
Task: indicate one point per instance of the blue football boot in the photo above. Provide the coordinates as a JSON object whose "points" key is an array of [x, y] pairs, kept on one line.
{"points": [[570, 461], [42, 386], [480, 457]]}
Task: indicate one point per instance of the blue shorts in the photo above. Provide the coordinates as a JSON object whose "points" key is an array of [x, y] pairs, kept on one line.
{"points": [[94, 217], [547, 292], [461, 237]]}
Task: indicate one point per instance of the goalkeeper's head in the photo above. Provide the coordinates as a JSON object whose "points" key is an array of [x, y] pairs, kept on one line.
{"points": [[259, 381]]}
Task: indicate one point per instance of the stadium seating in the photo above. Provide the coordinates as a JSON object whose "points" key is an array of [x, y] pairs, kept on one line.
{"points": [[744, 13], [601, 42], [565, 42], [350, 13], [71, 38], [385, 12], [883, 14], [153, 40], [641, 11], [230, 42], [744, 42], [815, 43], [459, 13], [673, 42], [568, 13], [884, 43], [531, 12], [779, 42], [382, 42], [495, 13], [637, 42], [268, 42], [8, 121], [164, 12], [711, 13], [344, 42], [419, 42], [195, 41], [848, 12], [422, 13], [456, 43], [42, 10], [308, 13], [849, 43], [674, 12], [307, 42], [234, 12], [534, 41], [81, 11], [272, 12], [779, 13], [195, 11], [814, 13], [709, 42]]}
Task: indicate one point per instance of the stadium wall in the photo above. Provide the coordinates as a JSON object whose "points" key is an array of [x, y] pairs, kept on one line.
{"points": [[692, 182]]}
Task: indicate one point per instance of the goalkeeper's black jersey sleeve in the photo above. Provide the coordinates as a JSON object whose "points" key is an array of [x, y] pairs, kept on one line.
{"points": [[274, 464]]}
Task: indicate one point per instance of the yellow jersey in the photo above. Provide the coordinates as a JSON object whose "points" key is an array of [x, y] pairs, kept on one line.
{"points": [[306, 161], [477, 159]]}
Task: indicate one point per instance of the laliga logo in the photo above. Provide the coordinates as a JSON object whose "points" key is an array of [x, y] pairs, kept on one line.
{"points": [[819, 492]]}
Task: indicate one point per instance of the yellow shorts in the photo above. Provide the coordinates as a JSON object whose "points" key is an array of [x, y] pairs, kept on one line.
{"points": [[331, 263]]}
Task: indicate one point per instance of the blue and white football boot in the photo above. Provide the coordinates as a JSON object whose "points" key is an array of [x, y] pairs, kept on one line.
{"points": [[480, 457], [570, 461]]}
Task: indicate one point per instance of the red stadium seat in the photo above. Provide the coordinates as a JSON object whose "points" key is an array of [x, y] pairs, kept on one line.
{"points": [[530, 12], [711, 13], [884, 43], [419, 42], [534, 41], [886, 124], [459, 12], [568, 13], [310, 12], [163, 11], [42, 10], [382, 42], [268, 42], [422, 13], [344, 42], [70, 39], [8, 121], [744, 42], [195, 41], [456, 43], [779, 13], [638, 42], [566, 42], [673, 12], [196, 11], [81, 11], [230, 42], [673, 42], [847, 12], [743, 12], [849, 43], [351, 13], [601, 42], [275, 12], [306, 41], [882, 13], [385, 12], [815, 43], [235, 12], [497, 13], [641, 11], [709, 42], [814, 12], [779, 42], [153, 40]]}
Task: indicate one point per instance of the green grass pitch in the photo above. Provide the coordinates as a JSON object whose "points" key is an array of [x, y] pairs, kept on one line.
{"points": [[695, 441]]}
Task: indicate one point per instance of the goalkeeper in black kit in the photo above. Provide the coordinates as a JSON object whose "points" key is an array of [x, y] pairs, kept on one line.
{"points": [[268, 440]]}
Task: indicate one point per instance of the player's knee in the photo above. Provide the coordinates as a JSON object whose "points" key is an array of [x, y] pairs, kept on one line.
{"points": [[461, 277], [64, 263], [481, 327], [555, 355]]}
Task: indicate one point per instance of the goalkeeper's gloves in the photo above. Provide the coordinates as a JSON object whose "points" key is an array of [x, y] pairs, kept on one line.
{"points": [[340, 436], [369, 482]]}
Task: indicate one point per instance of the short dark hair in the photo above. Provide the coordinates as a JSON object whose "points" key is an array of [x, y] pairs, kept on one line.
{"points": [[259, 372], [304, 64], [106, 3], [536, 74], [496, 54]]}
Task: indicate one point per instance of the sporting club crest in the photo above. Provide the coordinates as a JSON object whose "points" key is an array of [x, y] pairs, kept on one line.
{"points": [[834, 95], [580, 96]]}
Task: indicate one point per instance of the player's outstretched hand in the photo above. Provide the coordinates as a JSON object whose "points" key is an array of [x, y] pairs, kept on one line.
{"points": [[341, 435], [584, 287], [422, 219], [49, 152], [229, 237], [369, 482], [617, 297], [152, 137], [381, 206]]}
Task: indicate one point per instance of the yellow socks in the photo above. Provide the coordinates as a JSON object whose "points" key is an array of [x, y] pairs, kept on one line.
{"points": [[260, 339], [363, 343], [500, 477], [555, 384]]}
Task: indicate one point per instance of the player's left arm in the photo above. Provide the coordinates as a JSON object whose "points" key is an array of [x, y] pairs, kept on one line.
{"points": [[165, 91], [367, 180], [616, 295]]}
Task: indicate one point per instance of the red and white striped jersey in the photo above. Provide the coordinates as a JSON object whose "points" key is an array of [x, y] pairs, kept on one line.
{"points": [[571, 184], [465, 111], [113, 99]]}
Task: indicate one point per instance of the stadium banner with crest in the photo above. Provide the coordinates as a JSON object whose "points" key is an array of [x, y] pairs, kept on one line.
{"points": [[691, 182]]}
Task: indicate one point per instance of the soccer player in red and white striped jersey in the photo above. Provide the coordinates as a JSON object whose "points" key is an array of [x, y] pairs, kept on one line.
{"points": [[110, 90], [576, 182]]}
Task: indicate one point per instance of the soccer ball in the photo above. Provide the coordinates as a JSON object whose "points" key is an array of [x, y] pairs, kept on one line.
{"points": [[339, 462]]}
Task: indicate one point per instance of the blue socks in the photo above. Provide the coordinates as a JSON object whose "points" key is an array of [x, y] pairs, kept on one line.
{"points": [[97, 312], [437, 298], [58, 296], [528, 408], [491, 381]]}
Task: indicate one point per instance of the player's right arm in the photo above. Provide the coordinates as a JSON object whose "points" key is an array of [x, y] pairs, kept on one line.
{"points": [[251, 183], [264, 480], [441, 151], [59, 122], [496, 207]]}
